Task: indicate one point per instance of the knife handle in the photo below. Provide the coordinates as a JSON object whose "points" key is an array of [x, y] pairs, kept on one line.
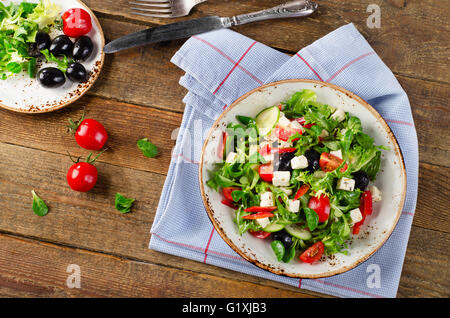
{"points": [[292, 9]]}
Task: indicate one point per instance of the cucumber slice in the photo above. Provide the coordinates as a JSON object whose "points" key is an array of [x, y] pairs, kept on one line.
{"points": [[273, 227], [298, 232], [267, 119]]}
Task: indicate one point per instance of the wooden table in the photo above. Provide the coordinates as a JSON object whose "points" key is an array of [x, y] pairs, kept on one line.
{"points": [[136, 96]]}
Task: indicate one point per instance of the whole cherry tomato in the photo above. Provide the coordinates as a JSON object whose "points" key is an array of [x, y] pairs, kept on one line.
{"points": [[89, 133], [76, 22], [82, 176], [321, 205]]}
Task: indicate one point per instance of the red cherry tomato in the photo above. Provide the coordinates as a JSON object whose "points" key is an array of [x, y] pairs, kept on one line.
{"points": [[329, 162], [284, 133], [321, 205], [91, 135], [82, 176], [227, 192], [259, 234], [266, 172], [76, 22], [313, 253]]}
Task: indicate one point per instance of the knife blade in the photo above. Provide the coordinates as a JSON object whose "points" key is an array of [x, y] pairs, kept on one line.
{"points": [[173, 31], [184, 29]]}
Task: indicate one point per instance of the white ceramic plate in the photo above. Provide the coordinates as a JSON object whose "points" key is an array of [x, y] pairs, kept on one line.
{"points": [[20, 93], [391, 180]]}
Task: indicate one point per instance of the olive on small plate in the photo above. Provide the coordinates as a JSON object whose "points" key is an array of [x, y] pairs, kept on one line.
{"points": [[82, 48], [76, 72], [61, 45], [51, 77], [42, 41]]}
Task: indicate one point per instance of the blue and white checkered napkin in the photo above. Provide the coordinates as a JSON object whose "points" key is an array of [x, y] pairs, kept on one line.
{"points": [[223, 65]]}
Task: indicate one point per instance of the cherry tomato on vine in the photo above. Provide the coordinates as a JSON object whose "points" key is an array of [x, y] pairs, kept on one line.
{"points": [[89, 133], [76, 22]]}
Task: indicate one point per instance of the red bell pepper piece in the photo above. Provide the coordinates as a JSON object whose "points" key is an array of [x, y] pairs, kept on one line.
{"points": [[301, 191], [229, 204], [261, 209], [365, 207], [302, 122], [259, 215]]}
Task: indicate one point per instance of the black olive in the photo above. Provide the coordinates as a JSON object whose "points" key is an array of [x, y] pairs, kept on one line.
{"points": [[313, 158], [283, 237], [284, 162], [361, 180], [61, 45], [51, 77], [42, 41], [77, 73], [82, 48]]}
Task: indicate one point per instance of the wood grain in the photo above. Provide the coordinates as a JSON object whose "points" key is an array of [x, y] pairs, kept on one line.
{"points": [[89, 220], [32, 269], [421, 51]]}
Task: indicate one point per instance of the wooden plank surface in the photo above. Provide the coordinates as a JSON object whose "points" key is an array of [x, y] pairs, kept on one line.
{"points": [[132, 104]]}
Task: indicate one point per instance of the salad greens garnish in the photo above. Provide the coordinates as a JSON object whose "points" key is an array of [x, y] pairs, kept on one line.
{"points": [[321, 201], [39, 206], [147, 147], [123, 204], [19, 24]]}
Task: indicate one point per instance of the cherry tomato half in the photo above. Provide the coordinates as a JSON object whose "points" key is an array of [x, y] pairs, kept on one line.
{"points": [[82, 176], [227, 192], [266, 172], [329, 162], [91, 135], [259, 234], [313, 253], [321, 205], [76, 22]]}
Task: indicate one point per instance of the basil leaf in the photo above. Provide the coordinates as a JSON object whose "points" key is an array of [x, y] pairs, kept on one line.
{"points": [[123, 204], [148, 149], [39, 206], [312, 219], [278, 249], [289, 255]]}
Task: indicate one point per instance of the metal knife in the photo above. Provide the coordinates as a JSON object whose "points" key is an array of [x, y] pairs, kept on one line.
{"points": [[184, 29]]}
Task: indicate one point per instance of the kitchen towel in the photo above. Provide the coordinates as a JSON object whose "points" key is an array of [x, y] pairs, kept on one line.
{"points": [[221, 66]]}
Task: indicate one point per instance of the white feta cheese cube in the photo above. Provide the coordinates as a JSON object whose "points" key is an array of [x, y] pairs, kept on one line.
{"points": [[337, 153], [324, 134], [263, 222], [283, 121], [299, 162], [296, 125], [293, 205], [281, 178], [355, 215], [343, 131], [286, 190], [376, 193], [266, 199], [346, 184], [338, 115], [231, 157]]}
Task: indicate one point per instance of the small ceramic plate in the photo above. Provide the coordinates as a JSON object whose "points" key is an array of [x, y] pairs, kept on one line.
{"points": [[20, 93], [391, 180]]}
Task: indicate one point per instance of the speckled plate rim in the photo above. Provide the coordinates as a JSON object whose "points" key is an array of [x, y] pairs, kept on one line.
{"points": [[343, 269], [91, 80]]}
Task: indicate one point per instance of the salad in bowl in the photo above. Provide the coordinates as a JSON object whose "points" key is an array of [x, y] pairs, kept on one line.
{"points": [[308, 184]]}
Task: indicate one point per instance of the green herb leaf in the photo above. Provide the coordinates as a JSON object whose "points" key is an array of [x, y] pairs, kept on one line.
{"points": [[148, 149], [289, 254], [278, 249], [123, 204], [312, 219], [39, 206]]}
